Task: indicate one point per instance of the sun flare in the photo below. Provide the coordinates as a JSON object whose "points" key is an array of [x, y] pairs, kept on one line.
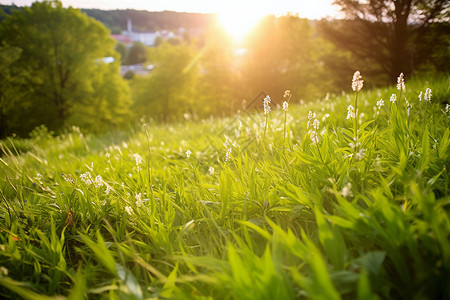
{"points": [[238, 23]]}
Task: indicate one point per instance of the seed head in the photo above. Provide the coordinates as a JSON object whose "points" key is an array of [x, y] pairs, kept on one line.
{"points": [[287, 94], [357, 82]]}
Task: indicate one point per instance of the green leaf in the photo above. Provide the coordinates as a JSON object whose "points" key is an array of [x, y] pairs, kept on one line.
{"points": [[169, 285]]}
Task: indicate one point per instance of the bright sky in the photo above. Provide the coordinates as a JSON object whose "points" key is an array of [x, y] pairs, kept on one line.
{"points": [[312, 9]]}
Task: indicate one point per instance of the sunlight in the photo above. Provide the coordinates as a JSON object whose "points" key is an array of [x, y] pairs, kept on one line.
{"points": [[238, 22]]}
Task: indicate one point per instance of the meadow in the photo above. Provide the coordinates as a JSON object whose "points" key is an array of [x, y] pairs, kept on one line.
{"points": [[310, 200]]}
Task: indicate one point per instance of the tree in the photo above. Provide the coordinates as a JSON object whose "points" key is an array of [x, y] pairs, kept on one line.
{"points": [[122, 50], [281, 55], [389, 34], [168, 92], [61, 64], [137, 54]]}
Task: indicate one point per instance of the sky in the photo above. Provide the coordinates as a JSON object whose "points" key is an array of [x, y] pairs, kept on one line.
{"points": [[312, 9]]}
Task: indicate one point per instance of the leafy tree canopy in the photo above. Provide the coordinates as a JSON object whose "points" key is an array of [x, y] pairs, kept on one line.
{"points": [[62, 69], [394, 36]]}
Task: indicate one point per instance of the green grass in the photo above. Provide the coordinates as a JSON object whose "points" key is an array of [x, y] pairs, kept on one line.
{"points": [[331, 220]]}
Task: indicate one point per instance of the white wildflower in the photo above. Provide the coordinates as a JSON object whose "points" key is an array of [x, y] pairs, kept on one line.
{"points": [[347, 190], [266, 103], [228, 155], [360, 154], [211, 170], [138, 159], [285, 106], [447, 108], [380, 103], [138, 198], [314, 137], [188, 153], [326, 116], [357, 82], [350, 112], [129, 210], [98, 182], [427, 95], [86, 178], [420, 96], [108, 190], [68, 178], [393, 98], [311, 118], [316, 124], [400, 82]]}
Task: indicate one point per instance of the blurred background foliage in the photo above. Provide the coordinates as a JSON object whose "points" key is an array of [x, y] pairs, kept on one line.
{"points": [[60, 67]]}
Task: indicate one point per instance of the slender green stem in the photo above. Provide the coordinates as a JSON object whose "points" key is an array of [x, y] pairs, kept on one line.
{"points": [[284, 132], [356, 123]]}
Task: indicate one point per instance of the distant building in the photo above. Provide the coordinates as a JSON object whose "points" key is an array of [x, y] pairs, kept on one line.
{"points": [[123, 39], [128, 37]]}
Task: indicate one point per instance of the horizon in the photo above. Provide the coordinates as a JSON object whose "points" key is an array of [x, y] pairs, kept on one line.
{"points": [[253, 8]]}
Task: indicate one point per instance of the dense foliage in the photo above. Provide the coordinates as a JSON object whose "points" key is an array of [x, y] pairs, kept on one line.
{"points": [[61, 68], [393, 36], [337, 208]]}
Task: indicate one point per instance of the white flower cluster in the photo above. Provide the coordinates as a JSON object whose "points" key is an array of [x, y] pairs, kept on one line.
{"points": [[380, 103], [315, 123], [427, 96], [285, 106], [357, 82], [350, 112], [138, 159], [87, 179], [266, 103], [228, 155], [393, 98], [400, 82], [347, 190]]}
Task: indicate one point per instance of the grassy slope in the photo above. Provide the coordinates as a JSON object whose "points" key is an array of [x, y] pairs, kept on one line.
{"points": [[313, 221]]}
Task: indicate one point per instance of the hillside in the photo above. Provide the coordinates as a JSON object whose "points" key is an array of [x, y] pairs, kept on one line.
{"points": [[234, 208], [116, 20]]}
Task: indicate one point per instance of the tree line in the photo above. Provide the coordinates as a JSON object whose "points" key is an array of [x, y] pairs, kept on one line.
{"points": [[61, 68]]}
